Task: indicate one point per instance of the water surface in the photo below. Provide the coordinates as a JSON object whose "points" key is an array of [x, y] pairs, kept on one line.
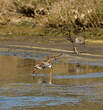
{"points": [[75, 86]]}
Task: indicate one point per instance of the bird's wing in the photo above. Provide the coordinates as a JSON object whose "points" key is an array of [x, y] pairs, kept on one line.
{"points": [[48, 60], [53, 58]]}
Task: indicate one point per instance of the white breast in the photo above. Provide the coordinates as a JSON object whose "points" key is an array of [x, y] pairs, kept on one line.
{"points": [[38, 67], [46, 64], [49, 65]]}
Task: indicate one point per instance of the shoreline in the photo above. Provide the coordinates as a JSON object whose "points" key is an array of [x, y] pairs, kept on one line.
{"points": [[91, 52]]}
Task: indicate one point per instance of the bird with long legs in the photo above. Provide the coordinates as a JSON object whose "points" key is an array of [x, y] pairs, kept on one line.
{"points": [[47, 63], [75, 40]]}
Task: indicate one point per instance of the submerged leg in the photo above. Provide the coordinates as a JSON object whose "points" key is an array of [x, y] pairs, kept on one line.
{"points": [[51, 75]]}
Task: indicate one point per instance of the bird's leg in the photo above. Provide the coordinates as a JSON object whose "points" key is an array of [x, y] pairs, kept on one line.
{"points": [[51, 75], [75, 50], [83, 44]]}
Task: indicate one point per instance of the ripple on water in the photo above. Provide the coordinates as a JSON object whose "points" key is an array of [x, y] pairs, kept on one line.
{"points": [[26, 95], [91, 75], [32, 101], [32, 94]]}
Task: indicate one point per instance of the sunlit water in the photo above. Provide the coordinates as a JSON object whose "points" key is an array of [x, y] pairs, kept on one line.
{"points": [[75, 86]]}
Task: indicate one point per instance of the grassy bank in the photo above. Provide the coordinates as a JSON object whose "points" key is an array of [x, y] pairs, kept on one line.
{"points": [[23, 19], [27, 31]]}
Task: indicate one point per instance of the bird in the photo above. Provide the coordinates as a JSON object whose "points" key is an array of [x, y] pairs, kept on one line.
{"points": [[75, 40], [47, 63]]}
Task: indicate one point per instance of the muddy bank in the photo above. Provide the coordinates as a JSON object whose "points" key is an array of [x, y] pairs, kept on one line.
{"points": [[93, 52]]}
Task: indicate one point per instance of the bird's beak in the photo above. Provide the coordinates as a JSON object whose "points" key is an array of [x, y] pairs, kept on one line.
{"points": [[34, 70]]}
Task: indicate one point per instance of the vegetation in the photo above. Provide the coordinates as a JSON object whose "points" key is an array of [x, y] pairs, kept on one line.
{"points": [[51, 18]]}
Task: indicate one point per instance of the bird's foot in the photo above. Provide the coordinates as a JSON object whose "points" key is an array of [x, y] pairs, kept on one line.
{"points": [[76, 53]]}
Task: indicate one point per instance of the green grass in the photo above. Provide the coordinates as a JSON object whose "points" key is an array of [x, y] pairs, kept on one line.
{"points": [[26, 31]]}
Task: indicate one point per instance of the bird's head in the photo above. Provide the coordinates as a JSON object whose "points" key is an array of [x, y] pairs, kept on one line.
{"points": [[34, 70]]}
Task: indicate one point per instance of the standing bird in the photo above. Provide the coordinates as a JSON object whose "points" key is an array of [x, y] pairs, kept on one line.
{"points": [[47, 63], [75, 40]]}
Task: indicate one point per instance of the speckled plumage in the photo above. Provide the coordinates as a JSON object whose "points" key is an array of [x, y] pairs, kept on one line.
{"points": [[47, 63], [75, 40]]}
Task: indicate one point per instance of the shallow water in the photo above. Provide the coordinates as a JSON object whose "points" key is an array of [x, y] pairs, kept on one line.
{"points": [[75, 86]]}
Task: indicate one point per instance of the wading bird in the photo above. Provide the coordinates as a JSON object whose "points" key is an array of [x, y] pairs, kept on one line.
{"points": [[47, 63], [75, 40]]}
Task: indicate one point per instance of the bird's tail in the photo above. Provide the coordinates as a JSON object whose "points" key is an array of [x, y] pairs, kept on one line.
{"points": [[54, 58], [57, 56]]}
